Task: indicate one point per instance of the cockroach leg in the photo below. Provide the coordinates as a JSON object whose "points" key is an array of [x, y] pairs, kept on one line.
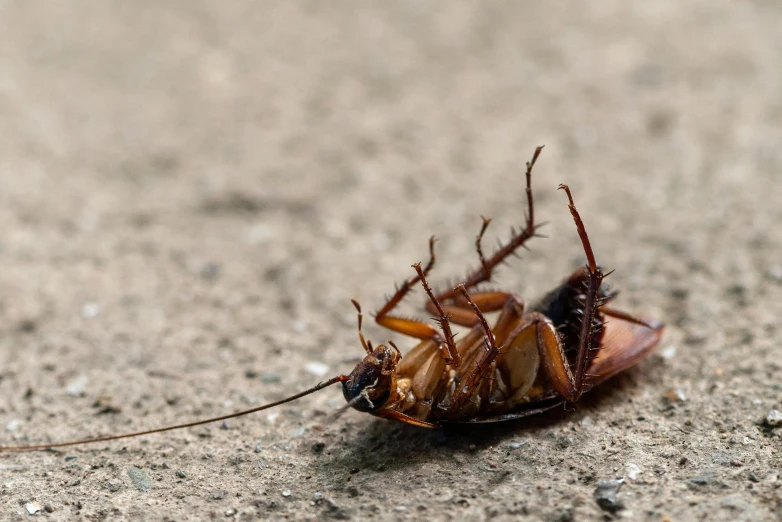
{"points": [[508, 320], [552, 356], [481, 364], [407, 419], [479, 237], [461, 313], [397, 353], [586, 352], [624, 315], [452, 356], [366, 344], [477, 311], [483, 273], [409, 327]]}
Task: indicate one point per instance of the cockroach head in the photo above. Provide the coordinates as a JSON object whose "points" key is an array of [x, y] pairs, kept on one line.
{"points": [[372, 381]]}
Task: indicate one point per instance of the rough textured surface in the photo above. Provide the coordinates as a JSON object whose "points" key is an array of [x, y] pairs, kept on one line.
{"points": [[190, 192]]}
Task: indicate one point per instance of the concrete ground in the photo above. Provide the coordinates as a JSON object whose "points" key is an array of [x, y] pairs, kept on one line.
{"points": [[192, 191]]}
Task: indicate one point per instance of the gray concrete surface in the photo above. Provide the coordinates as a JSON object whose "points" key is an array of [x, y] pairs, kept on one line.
{"points": [[190, 193]]}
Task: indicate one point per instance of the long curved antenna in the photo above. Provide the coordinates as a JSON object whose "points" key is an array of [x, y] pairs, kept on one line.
{"points": [[317, 387]]}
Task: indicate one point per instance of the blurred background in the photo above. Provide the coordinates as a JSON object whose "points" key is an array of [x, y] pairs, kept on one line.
{"points": [[191, 192]]}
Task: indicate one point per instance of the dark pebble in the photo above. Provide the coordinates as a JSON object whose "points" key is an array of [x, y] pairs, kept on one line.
{"points": [[606, 495], [702, 480]]}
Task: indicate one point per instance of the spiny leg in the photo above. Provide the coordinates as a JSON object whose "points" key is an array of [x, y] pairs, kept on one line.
{"points": [[367, 345], [625, 316], [458, 310], [591, 304], [397, 352], [452, 356], [478, 238], [461, 313], [483, 273], [383, 317], [481, 364]]}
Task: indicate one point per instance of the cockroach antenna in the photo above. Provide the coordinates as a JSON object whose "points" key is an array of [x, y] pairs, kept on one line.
{"points": [[106, 438]]}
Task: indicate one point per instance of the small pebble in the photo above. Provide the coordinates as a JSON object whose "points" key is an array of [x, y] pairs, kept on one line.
{"points": [[517, 445], [225, 425], [33, 507], [76, 386], [703, 480], [606, 495], [181, 474], [210, 271], [140, 479], [774, 418], [230, 512], [472, 447], [12, 425], [27, 325], [48, 508], [668, 353], [318, 369], [286, 493], [675, 395], [299, 326], [90, 310], [632, 470]]}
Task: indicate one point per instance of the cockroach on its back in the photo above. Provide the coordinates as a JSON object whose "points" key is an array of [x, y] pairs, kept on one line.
{"points": [[532, 360]]}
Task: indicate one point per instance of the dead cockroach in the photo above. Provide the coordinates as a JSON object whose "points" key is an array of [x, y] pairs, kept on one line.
{"points": [[533, 359]]}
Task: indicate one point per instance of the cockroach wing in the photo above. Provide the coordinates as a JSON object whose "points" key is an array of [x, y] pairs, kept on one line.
{"points": [[624, 344]]}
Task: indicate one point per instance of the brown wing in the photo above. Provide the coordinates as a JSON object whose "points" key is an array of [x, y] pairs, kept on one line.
{"points": [[624, 344]]}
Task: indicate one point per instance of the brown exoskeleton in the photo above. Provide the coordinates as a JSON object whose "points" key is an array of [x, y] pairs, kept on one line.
{"points": [[531, 360]]}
